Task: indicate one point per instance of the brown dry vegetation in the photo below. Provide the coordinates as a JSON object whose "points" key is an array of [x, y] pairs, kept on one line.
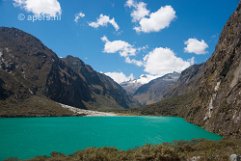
{"points": [[180, 151]]}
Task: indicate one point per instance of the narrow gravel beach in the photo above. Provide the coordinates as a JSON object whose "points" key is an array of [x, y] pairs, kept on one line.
{"points": [[87, 112]]}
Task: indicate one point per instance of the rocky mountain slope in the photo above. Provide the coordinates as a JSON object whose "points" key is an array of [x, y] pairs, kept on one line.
{"points": [[210, 94], [105, 91], [28, 68], [154, 91]]}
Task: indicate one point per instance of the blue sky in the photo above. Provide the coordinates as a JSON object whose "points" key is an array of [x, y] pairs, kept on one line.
{"points": [[158, 47]]}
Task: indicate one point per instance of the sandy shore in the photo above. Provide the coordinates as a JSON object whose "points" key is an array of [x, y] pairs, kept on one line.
{"points": [[87, 112]]}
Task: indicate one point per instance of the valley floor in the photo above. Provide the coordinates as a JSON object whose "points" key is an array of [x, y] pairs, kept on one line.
{"points": [[36, 106]]}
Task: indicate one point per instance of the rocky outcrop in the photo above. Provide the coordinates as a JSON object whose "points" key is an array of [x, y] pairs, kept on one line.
{"points": [[234, 157]]}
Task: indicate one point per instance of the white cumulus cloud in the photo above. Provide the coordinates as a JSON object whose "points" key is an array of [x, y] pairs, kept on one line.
{"points": [[119, 77], [78, 16], [139, 10], [40, 7], [161, 61], [150, 21], [157, 21], [156, 63], [104, 20], [195, 46], [125, 50], [133, 61], [118, 46], [130, 3]]}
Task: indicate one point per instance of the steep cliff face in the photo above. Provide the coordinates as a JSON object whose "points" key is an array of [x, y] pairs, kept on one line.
{"points": [[28, 68], [220, 86], [65, 86], [211, 93], [105, 91]]}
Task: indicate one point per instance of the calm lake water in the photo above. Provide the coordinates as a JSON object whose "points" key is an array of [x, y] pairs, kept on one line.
{"points": [[29, 137]]}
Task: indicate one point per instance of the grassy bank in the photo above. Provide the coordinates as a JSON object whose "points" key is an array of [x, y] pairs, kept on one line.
{"points": [[201, 150], [34, 106]]}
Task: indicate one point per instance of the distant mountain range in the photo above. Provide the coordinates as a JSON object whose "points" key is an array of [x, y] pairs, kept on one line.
{"points": [[132, 85], [28, 68], [155, 90], [146, 91]]}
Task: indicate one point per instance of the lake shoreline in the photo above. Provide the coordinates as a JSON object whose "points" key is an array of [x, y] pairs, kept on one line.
{"points": [[77, 112], [85, 112], [193, 150]]}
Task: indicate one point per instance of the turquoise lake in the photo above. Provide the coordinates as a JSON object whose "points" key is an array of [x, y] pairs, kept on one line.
{"points": [[29, 137]]}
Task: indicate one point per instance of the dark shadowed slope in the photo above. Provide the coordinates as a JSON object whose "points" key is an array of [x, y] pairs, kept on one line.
{"points": [[27, 68], [105, 91]]}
